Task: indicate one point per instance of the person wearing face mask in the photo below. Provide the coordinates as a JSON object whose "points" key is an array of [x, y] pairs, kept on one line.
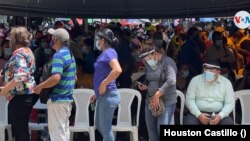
{"points": [[7, 52], [161, 77], [19, 83], [209, 98], [107, 70], [176, 42], [183, 77], [191, 53], [204, 37], [63, 73], [219, 53]]}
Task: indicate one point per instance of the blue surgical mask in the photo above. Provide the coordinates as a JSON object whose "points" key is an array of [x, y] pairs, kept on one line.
{"points": [[225, 75], [152, 63], [209, 76], [97, 45], [51, 44], [219, 43], [47, 51], [84, 49], [43, 44], [185, 74], [7, 51]]}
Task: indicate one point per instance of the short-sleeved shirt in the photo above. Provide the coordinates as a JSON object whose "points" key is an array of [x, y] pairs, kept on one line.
{"points": [[21, 67], [103, 69], [63, 63]]}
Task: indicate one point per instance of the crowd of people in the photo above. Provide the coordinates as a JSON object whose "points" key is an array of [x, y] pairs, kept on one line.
{"points": [[206, 64]]}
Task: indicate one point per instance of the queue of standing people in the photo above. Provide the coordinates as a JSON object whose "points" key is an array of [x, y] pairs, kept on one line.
{"points": [[160, 82]]}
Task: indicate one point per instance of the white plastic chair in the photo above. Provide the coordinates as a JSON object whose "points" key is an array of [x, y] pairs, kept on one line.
{"points": [[82, 101], [182, 98], [4, 120], [36, 126], [124, 121], [244, 98]]}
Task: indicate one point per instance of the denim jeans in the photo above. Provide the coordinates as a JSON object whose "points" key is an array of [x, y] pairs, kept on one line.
{"points": [[154, 123], [106, 105]]}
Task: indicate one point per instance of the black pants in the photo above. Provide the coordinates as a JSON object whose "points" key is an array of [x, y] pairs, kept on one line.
{"points": [[20, 108]]}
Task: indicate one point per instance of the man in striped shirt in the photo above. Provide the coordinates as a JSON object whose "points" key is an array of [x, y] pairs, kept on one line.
{"points": [[63, 78]]}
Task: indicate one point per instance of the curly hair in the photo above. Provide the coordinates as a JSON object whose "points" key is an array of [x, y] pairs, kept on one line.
{"points": [[19, 36]]}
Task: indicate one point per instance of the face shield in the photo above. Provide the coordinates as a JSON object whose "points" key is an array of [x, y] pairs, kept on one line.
{"points": [[149, 60]]}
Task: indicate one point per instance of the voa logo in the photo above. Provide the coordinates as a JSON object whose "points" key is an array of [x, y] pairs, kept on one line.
{"points": [[242, 19]]}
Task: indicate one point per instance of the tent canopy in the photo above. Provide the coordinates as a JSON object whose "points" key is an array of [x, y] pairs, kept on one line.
{"points": [[123, 8]]}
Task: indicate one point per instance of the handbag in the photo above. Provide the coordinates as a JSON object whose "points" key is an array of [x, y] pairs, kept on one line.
{"points": [[156, 112], [161, 108]]}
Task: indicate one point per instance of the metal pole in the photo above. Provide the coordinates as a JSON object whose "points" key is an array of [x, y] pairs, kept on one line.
{"points": [[86, 25]]}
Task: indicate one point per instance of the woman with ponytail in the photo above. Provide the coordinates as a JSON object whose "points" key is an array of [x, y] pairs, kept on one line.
{"points": [[107, 69]]}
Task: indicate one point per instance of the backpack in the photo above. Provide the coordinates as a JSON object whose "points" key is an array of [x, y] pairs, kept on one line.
{"points": [[44, 95]]}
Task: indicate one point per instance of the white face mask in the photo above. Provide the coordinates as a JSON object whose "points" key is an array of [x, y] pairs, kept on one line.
{"points": [[97, 46], [209, 76], [153, 64]]}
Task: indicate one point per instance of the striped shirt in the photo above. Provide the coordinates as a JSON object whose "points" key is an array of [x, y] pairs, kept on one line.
{"points": [[63, 63]]}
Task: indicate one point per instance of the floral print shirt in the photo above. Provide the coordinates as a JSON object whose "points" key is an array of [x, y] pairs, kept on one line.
{"points": [[21, 67]]}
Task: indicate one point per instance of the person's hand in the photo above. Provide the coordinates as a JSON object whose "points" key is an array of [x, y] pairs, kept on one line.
{"points": [[141, 86], [204, 118], [1, 76], [155, 102], [93, 99], [102, 88], [216, 120], [8, 97], [3, 91], [38, 89]]}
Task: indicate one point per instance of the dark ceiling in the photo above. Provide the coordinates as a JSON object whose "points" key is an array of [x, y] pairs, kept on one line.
{"points": [[123, 8]]}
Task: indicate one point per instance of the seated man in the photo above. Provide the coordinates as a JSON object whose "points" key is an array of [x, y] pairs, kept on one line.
{"points": [[209, 98]]}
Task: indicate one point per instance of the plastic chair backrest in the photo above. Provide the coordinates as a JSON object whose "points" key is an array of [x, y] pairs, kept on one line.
{"points": [[244, 98], [82, 101], [124, 110], [4, 110], [182, 97], [40, 106]]}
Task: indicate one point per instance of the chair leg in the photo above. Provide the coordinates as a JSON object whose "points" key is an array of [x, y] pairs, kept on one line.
{"points": [[92, 134], [114, 132], [2, 134], [10, 137], [71, 136], [135, 134]]}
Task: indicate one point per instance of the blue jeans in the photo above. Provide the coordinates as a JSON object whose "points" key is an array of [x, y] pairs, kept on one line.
{"points": [[106, 105], [154, 123]]}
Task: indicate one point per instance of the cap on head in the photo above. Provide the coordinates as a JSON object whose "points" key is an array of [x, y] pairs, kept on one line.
{"points": [[60, 34]]}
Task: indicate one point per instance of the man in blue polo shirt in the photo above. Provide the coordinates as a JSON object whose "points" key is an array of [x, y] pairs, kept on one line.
{"points": [[63, 78]]}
